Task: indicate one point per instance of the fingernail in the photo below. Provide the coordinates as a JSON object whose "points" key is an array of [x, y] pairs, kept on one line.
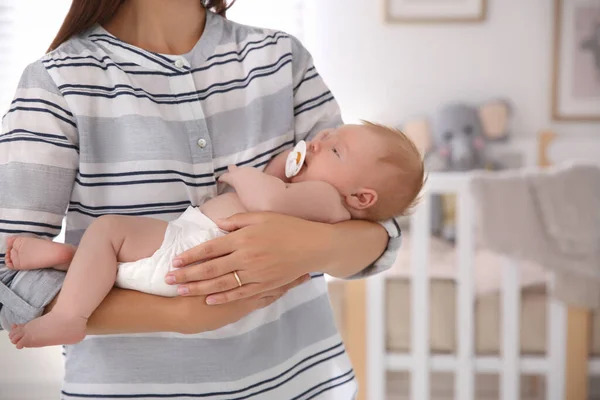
{"points": [[170, 278], [177, 263], [183, 290], [211, 300]]}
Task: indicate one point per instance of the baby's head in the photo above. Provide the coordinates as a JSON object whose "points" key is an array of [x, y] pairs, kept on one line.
{"points": [[378, 170]]}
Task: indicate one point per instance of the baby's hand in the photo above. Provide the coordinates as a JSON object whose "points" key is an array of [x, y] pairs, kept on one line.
{"points": [[228, 177], [237, 175], [225, 178]]}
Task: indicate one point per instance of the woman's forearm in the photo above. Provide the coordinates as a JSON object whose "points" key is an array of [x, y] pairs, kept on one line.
{"points": [[127, 311], [356, 245]]}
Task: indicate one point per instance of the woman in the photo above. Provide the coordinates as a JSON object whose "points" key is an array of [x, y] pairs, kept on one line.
{"points": [[137, 108]]}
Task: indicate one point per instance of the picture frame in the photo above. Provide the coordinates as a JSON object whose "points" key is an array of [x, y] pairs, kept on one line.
{"points": [[435, 11], [576, 61]]}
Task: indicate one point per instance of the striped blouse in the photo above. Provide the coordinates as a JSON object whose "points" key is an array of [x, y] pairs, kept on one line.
{"points": [[99, 126]]}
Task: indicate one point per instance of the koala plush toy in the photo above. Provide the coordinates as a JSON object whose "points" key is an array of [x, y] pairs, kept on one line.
{"points": [[455, 139]]}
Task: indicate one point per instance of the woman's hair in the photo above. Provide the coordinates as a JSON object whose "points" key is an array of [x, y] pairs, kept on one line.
{"points": [[83, 14]]}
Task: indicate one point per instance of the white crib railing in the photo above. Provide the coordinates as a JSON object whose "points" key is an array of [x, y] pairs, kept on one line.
{"points": [[465, 363]]}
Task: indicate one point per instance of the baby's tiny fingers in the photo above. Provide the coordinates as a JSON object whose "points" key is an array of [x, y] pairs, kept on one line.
{"points": [[225, 177]]}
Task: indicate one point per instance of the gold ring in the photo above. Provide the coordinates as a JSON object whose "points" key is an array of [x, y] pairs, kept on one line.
{"points": [[237, 278]]}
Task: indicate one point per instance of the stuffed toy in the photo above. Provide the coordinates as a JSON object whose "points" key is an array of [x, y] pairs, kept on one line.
{"points": [[455, 139]]}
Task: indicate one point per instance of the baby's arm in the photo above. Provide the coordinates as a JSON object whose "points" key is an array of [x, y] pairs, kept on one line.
{"points": [[313, 200], [276, 167]]}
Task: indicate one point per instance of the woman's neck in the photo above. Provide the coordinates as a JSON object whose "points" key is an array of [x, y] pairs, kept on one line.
{"points": [[167, 27]]}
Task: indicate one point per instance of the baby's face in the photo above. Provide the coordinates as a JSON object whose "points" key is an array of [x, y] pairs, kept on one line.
{"points": [[344, 157]]}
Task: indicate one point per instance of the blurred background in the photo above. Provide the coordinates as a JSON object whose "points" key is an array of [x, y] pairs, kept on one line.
{"points": [[383, 62]]}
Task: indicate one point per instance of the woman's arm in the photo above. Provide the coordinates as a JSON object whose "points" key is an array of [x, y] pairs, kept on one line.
{"points": [[268, 250], [127, 311], [341, 250], [354, 245]]}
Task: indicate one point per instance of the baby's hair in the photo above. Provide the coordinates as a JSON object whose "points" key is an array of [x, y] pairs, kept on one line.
{"points": [[401, 195]]}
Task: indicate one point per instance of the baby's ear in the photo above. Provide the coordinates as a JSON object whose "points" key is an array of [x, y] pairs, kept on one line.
{"points": [[362, 199]]}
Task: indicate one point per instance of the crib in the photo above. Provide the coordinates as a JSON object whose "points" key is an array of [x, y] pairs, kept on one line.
{"points": [[464, 363], [565, 363]]}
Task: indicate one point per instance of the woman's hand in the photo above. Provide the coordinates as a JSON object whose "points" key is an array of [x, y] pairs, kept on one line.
{"points": [[265, 250], [195, 317]]}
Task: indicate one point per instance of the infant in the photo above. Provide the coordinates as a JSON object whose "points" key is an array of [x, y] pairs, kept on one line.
{"points": [[366, 171]]}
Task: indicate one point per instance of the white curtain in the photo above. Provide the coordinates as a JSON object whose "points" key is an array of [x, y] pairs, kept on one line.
{"points": [[27, 28], [7, 53], [284, 15]]}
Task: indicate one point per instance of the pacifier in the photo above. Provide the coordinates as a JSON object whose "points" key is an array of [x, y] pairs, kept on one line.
{"points": [[295, 159]]}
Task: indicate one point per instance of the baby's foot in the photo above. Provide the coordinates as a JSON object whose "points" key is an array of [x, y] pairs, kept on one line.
{"points": [[51, 329], [33, 253]]}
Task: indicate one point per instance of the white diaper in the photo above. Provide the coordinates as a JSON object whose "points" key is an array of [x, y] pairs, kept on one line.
{"points": [[148, 274]]}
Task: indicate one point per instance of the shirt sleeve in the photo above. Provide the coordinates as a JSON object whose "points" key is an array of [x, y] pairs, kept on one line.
{"points": [[38, 161], [315, 109]]}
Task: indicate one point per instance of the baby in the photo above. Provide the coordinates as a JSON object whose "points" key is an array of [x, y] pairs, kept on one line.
{"points": [[366, 171]]}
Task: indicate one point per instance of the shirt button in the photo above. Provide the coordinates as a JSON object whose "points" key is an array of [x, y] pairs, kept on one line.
{"points": [[179, 63], [201, 143]]}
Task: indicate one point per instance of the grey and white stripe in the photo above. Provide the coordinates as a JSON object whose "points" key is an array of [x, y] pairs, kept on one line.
{"points": [[102, 127]]}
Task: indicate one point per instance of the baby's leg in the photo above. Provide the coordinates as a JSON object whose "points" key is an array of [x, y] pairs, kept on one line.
{"points": [[90, 277], [23, 252]]}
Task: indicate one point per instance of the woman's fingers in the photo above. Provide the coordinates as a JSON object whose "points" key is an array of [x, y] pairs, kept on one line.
{"points": [[239, 293], [201, 272], [270, 297], [267, 301], [294, 283], [249, 290], [213, 248], [203, 288]]}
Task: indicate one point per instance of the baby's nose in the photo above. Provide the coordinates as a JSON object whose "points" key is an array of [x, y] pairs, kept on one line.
{"points": [[314, 147]]}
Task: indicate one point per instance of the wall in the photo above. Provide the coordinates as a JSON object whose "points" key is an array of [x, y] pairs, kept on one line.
{"points": [[390, 72], [30, 27], [29, 374]]}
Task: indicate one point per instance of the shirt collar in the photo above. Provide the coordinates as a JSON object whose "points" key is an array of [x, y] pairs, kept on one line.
{"points": [[123, 52]]}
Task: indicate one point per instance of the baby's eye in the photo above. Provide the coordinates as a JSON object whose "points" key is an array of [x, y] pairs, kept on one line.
{"points": [[335, 151]]}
